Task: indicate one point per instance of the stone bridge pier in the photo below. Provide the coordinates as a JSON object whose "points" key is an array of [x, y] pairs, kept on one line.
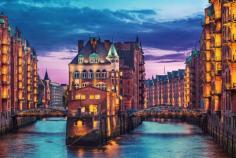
{"points": [[94, 130]]}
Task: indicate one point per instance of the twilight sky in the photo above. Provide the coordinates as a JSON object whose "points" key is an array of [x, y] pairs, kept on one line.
{"points": [[168, 29]]}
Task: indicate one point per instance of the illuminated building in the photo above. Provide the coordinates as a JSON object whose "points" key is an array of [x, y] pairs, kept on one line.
{"points": [[218, 47], [228, 108], [18, 67], [193, 80], [211, 48], [150, 92], [166, 89], [115, 70], [133, 73], [94, 79]]}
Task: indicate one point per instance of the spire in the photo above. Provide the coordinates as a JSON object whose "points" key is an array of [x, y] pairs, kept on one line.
{"points": [[46, 75], [112, 52], [137, 39]]}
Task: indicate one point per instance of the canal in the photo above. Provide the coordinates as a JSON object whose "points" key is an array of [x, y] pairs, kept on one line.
{"points": [[46, 139]]}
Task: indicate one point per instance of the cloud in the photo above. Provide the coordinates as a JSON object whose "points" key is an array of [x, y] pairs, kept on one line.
{"points": [[50, 29], [54, 26], [169, 61], [176, 56]]}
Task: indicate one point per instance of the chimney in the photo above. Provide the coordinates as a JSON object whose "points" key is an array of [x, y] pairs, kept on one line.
{"points": [[80, 44], [107, 44]]}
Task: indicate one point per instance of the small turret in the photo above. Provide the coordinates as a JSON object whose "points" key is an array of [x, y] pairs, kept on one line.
{"points": [[112, 54]]}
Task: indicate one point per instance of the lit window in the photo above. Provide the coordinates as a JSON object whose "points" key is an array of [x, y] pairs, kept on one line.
{"points": [[77, 96], [83, 97], [97, 96], [80, 97], [83, 109], [91, 97], [93, 109]]}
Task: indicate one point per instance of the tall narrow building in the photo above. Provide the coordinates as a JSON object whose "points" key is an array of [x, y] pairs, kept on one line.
{"points": [[5, 65], [229, 64], [18, 66], [218, 48]]}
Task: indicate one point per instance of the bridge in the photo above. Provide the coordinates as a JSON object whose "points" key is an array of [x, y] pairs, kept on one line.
{"points": [[168, 112], [42, 112]]}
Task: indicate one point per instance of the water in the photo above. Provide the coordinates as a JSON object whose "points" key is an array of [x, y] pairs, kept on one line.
{"points": [[46, 139]]}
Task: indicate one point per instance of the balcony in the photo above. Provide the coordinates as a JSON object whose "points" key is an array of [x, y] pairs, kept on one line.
{"points": [[233, 86], [5, 79], [233, 37], [5, 59], [4, 93], [207, 55], [218, 85], [5, 69]]}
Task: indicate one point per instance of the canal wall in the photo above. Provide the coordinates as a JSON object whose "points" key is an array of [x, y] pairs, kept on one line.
{"points": [[223, 135], [95, 131], [9, 124]]}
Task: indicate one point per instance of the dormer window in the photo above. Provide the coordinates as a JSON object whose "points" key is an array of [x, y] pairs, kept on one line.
{"points": [[94, 58], [80, 59]]}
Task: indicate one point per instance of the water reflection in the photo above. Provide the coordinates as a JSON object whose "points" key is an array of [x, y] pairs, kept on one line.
{"points": [[46, 139]]}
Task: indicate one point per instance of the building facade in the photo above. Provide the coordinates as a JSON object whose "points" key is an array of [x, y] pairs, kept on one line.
{"points": [[166, 89], [132, 74], [228, 101], [18, 67], [193, 83], [218, 48], [51, 94], [94, 79], [114, 69]]}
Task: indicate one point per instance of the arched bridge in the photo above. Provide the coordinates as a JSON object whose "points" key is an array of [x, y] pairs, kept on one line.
{"points": [[168, 112], [42, 112]]}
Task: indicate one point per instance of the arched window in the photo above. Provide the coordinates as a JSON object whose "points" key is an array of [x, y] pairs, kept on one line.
{"points": [[104, 74], [90, 74], [113, 73], [98, 73], [76, 74], [84, 74]]}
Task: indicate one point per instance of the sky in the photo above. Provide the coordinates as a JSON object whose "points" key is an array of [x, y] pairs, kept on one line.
{"points": [[168, 29]]}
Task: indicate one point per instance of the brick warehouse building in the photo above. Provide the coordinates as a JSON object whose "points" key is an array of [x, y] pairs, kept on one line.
{"points": [[218, 49], [107, 76], [18, 71], [166, 89]]}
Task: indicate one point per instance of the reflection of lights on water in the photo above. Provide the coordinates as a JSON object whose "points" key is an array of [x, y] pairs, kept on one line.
{"points": [[108, 126], [44, 119]]}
